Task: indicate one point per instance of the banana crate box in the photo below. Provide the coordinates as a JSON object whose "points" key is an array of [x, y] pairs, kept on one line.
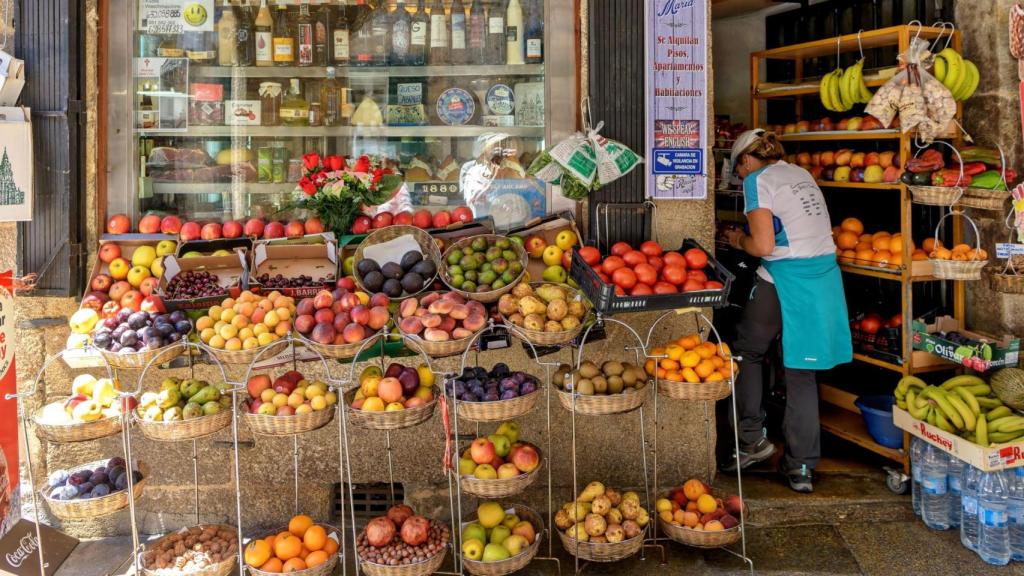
{"points": [[947, 339], [986, 458]]}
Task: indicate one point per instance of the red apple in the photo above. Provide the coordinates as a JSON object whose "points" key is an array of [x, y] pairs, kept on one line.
{"points": [[442, 219], [313, 226], [149, 285], [273, 230], [535, 246], [254, 406], [283, 385], [462, 214], [190, 231], [232, 229], [101, 283], [403, 219], [153, 304], [119, 224], [254, 227], [422, 219], [383, 220], [132, 299], [109, 252], [119, 289], [211, 231], [346, 282], [170, 225], [361, 225], [149, 224], [95, 300], [482, 451], [526, 459], [294, 229]]}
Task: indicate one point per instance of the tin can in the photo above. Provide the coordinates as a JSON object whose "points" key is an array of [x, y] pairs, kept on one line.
{"points": [[280, 163]]}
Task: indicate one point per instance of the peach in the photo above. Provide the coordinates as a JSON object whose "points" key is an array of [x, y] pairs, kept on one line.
{"points": [[690, 519], [447, 324], [460, 333], [828, 158], [429, 299], [803, 158], [323, 333], [378, 317], [421, 312], [693, 489], [459, 311], [857, 160], [380, 299], [431, 321], [885, 159], [408, 307], [305, 323], [389, 390], [354, 333], [435, 335], [872, 159], [324, 316], [304, 308], [411, 325], [323, 299], [442, 306], [477, 307], [360, 314], [341, 320], [294, 229], [349, 301], [474, 322], [452, 296]]}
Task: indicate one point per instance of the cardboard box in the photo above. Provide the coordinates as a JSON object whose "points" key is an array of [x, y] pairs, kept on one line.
{"points": [[996, 351], [981, 457], [232, 275], [208, 247], [291, 260], [547, 228], [128, 244]]}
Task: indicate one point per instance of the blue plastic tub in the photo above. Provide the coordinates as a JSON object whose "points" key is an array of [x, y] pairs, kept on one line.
{"points": [[877, 413]]}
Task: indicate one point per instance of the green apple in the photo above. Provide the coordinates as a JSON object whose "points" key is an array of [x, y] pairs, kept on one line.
{"points": [[509, 430], [518, 240], [348, 265], [191, 254], [501, 444], [510, 521], [466, 466], [499, 533], [165, 247], [474, 531], [554, 274], [485, 472], [495, 553]]}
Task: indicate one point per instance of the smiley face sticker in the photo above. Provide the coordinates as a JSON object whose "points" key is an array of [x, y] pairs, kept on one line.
{"points": [[195, 14]]}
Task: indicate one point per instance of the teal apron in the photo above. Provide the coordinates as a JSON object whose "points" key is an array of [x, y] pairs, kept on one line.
{"points": [[815, 325]]}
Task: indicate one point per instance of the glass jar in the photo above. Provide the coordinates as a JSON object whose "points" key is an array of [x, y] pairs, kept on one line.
{"points": [[270, 103]]}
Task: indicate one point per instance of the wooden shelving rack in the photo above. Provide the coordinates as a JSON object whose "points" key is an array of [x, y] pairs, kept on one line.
{"points": [[839, 416]]}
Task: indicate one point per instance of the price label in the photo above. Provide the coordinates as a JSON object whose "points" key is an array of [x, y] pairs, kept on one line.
{"points": [[1006, 249]]}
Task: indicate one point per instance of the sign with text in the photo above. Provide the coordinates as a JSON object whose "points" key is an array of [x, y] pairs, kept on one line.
{"points": [[10, 502], [677, 106], [19, 550], [176, 16]]}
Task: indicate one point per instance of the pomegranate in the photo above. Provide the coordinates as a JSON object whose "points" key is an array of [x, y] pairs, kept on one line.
{"points": [[380, 531], [414, 530], [399, 514]]}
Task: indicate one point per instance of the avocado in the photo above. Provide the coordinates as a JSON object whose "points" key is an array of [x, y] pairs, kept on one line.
{"points": [[907, 177], [412, 282], [392, 287], [410, 259], [922, 179], [374, 281], [392, 271], [425, 268], [365, 266]]}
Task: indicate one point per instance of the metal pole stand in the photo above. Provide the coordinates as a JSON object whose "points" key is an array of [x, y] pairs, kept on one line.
{"points": [[346, 385], [571, 388], [455, 454], [699, 318]]}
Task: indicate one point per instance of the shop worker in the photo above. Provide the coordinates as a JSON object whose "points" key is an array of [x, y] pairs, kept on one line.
{"points": [[799, 291]]}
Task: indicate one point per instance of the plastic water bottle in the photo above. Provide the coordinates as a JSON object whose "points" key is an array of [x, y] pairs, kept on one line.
{"points": [[954, 481], [969, 507], [993, 527], [935, 489], [1015, 512], [916, 450]]}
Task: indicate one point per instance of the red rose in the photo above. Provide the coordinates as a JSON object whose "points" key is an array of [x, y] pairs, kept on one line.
{"points": [[334, 163], [311, 161], [320, 178], [307, 186], [362, 165]]}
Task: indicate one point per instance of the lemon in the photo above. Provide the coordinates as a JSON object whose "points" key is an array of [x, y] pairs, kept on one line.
{"points": [[194, 14]]}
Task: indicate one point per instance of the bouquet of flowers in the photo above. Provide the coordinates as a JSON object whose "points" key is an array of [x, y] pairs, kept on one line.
{"points": [[337, 193]]}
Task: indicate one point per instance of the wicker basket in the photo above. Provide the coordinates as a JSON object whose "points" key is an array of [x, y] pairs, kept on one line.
{"points": [[958, 269], [485, 297], [247, 356], [324, 569], [517, 562], [500, 487], [602, 551], [93, 507], [428, 566], [78, 431], [179, 430], [425, 241], [339, 350], [541, 338], [936, 195], [440, 349], [984, 199], [139, 360], [700, 391], [604, 404], [269, 425], [700, 538], [498, 410], [394, 420], [999, 281], [222, 568]]}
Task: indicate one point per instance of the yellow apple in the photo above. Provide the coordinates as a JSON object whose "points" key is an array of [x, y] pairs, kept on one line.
{"points": [[166, 247], [157, 267], [552, 255], [119, 268], [566, 239], [144, 256]]}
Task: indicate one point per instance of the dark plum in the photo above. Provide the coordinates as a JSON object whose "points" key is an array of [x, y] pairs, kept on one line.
{"points": [[183, 326]]}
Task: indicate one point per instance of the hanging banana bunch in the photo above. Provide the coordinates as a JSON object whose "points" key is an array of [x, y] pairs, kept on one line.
{"points": [[841, 89]]}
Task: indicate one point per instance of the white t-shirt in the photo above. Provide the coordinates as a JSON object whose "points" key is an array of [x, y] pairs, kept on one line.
{"points": [[803, 228]]}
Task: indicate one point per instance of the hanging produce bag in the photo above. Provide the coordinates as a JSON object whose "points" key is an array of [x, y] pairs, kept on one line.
{"points": [[584, 162], [923, 103]]}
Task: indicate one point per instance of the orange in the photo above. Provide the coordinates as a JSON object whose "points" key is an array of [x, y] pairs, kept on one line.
{"points": [[294, 565], [690, 359], [717, 362], [836, 230], [704, 369], [863, 245], [270, 540], [865, 257], [274, 566], [929, 244], [299, 524], [715, 376], [316, 558], [315, 538], [649, 367], [288, 547], [847, 256], [694, 489], [919, 254], [961, 248], [852, 225], [677, 516], [304, 552], [690, 376], [941, 253], [674, 376], [706, 503], [662, 372], [282, 535], [865, 237], [659, 351], [880, 242], [330, 548], [674, 351], [706, 350], [257, 552], [689, 342], [896, 260], [724, 349], [668, 364], [882, 258], [846, 240]]}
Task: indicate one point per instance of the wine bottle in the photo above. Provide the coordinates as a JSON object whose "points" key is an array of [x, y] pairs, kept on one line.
{"points": [[495, 47], [457, 34], [340, 53], [418, 32], [264, 32], [535, 32], [476, 33], [514, 33], [380, 26], [244, 48], [330, 99], [401, 35], [295, 108], [438, 34], [284, 39], [322, 35], [304, 35]]}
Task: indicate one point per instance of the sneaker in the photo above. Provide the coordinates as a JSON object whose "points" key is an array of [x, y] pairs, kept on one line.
{"points": [[750, 455], [800, 479]]}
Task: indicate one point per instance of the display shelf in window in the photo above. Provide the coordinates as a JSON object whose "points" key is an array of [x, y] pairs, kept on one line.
{"points": [[381, 72], [221, 187], [348, 131]]}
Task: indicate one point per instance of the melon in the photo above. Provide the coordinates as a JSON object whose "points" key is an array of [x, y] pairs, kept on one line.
{"points": [[1008, 386]]}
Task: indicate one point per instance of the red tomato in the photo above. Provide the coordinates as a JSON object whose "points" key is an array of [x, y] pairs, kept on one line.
{"points": [[674, 274], [619, 291], [624, 277], [620, 248], [646, 274], [696, 259], [604, 277], [714, 285], [674, 259], [641, 289], [664, 288], [590, 255], [611, 264], [693, 285], [657, 262], [634, 257], [651, 248], [698, 275]]}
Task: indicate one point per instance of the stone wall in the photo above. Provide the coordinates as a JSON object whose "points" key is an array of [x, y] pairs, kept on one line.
{"points": [[609, 448], [992, 116]]}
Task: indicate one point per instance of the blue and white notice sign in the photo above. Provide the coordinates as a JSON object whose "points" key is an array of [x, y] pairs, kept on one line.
{"points": [[678, 161]]}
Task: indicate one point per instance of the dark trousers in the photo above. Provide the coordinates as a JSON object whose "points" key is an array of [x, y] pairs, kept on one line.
{"points": [[760, 324]]}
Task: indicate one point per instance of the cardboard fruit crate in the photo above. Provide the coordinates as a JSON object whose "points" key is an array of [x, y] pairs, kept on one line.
{"points": [[997, 352], [207, 247], [291, 260], [986, 458], [232, 275], [606, 302], [547, 228]]}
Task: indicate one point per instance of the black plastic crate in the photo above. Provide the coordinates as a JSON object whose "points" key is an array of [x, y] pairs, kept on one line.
{"points": [[605, 301]]}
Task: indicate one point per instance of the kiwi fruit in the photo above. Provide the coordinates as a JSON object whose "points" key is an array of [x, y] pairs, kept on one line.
{"points": [[628, 377], [588, 369], [585, 387], [615, 384], [600, 384]]}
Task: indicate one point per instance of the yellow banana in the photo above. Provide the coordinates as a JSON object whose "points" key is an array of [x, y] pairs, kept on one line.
{"points": [[971, 83], [942, 423], [940, 68], [1004, 437], [981, 432], [962, 380], [908, 382], [989, 403], [969, 417], [998, 424], [947, 410], [969, 399], [835, 91], [978, 389], [916, 411], [997, 413], [954, 68], [824, 92]]}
